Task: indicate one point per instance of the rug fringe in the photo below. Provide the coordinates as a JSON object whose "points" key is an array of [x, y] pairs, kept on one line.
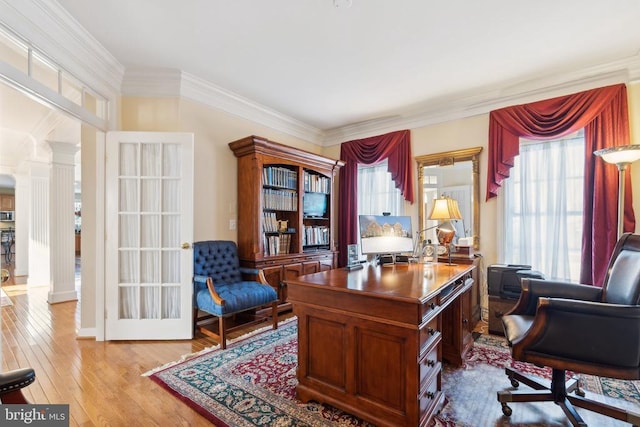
{"points": [[188, 356]]}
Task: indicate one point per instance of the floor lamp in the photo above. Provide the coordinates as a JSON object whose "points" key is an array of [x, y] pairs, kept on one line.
{"points": [[622, 156], [445, 209]]}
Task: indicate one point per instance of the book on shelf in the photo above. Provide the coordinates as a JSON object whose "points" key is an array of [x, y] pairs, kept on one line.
{"points": [[315, 235], [278, 176], [316, 183], [277, 245], [281, 200]]}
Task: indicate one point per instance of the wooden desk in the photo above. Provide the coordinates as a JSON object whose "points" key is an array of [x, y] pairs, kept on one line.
{"points": [[370, 341]]}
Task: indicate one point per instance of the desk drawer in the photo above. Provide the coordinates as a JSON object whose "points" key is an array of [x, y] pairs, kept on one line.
{"points": [[429, 364], [429, 333], [430, 396], [430, 308]]}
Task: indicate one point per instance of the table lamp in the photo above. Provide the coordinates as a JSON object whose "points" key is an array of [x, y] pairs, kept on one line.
{"points": [[445, 208], [622, 156]]}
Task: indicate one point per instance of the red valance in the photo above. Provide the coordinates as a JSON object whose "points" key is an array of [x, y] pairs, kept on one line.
{"points": [[396, 148], [604, 115]]}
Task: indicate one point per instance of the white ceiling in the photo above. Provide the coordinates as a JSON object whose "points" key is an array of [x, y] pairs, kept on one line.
{"points": [[331, 67]]}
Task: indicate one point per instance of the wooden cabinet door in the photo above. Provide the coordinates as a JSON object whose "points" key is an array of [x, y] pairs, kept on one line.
{"points": [[309, 267], [7, 202], [326, 264]]}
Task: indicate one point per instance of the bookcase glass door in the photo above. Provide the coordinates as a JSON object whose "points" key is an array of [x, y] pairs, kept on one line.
{"points": [[148, 288]]}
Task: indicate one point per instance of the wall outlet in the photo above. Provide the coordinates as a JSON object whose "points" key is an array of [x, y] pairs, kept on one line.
{"points": [[232, 224]]}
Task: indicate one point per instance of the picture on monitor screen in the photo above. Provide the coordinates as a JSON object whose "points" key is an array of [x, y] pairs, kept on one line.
{"points": [[380, 234]]}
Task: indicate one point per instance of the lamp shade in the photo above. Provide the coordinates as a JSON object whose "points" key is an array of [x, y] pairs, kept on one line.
{"points": [[445, 208], [623, 154]]}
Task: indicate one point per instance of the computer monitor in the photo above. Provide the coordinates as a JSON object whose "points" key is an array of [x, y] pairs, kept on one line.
{"points": [[385, 234]]}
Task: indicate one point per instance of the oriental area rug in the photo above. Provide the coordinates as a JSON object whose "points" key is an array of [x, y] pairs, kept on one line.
{"points": [[253, 381]]}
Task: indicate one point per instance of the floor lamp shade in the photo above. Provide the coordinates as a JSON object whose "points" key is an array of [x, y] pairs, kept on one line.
{"points": [[621, 156]]}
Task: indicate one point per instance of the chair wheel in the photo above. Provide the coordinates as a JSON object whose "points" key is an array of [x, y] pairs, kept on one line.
{"points": [[514, 383], [580, 392], [506, 410]]}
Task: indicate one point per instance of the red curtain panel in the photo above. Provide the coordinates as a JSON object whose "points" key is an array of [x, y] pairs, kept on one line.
{"points": [[603, 113], [396, 148]]}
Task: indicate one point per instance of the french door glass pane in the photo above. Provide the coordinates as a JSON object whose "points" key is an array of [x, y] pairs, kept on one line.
{"points": [[150, 191], [171, 195], [129, 272], [150, 307], [171, 302], [150, 225], [150, 160], [171, 266], [128, 195], [171, 231], [128, 231], [128, 297], [128, 165], [172, 159], [149, 266]]}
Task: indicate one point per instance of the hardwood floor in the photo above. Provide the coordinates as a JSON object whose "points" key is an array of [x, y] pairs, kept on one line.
{"points": [[101, 381]]}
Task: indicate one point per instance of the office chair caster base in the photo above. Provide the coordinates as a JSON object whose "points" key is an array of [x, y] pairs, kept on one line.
{"points": [[506, 410]]}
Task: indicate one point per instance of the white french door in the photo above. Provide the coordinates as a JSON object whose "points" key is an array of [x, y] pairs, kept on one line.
{"points": [[149, 230]]}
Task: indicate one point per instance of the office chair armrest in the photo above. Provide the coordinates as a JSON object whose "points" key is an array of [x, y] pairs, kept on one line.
{"points": [[533, 289], [584, 331]]}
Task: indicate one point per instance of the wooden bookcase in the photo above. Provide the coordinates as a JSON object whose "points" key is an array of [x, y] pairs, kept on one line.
{"points": [[286, 225]]}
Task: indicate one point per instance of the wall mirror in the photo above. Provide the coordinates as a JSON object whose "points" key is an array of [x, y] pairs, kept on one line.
{"points": [[452, 174]]}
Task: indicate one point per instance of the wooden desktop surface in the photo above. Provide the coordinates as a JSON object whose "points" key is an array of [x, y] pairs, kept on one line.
{"points": [[370, 341]]}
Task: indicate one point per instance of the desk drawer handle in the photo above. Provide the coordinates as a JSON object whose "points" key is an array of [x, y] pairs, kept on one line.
{"points": [[430, 394], [431, 331], [432, 306], [431, 362]]}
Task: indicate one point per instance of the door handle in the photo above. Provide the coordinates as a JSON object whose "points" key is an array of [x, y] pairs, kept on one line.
{"points": [[186, 245]]}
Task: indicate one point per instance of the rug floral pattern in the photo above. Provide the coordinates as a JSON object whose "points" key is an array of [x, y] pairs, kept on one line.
{"points": [[253, 382]]}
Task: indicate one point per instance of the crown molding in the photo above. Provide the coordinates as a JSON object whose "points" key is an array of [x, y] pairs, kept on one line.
{"points": [[625, 70], [143, 81], [50, 29]]}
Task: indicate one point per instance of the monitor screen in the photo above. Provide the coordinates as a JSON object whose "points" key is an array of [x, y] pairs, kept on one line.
{"points": [[314, 204], [381, 234]]}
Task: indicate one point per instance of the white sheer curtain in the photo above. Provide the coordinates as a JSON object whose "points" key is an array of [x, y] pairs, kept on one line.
{"points": [[149, 230], [377, 192], [543, 207]]}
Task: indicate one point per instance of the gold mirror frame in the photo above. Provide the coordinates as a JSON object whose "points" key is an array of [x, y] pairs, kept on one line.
{"points": [[449, 158]]}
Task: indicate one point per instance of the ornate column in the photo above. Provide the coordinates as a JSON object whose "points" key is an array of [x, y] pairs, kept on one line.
{"points": [[61, 226], [38, 225]]}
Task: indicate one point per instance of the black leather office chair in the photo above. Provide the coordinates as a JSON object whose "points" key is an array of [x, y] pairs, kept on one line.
{"points": [[12, 383], [581, 328], [224, 290]]}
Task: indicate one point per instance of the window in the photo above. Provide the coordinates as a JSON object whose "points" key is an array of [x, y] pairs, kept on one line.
{"points": [[543, 207], [377, 192]]}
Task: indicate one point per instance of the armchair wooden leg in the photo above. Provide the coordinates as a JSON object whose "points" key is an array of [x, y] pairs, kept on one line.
{"points": [[274, 314], [222, 332]]}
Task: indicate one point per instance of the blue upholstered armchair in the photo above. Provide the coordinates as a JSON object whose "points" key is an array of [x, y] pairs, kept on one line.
{"points": [[224, 290]]}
